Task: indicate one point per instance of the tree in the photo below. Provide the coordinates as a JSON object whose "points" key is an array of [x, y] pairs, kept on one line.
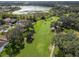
{"points": [[43, 17], [70, 22], [30, 33], [16, 42], [67, 43], [2, 22]]}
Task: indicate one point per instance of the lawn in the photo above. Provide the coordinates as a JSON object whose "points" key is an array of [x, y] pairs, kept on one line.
{"points": [[42, 38]]}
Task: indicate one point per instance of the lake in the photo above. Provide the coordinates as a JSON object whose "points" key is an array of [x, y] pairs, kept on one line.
{"points": [[27, 9]]}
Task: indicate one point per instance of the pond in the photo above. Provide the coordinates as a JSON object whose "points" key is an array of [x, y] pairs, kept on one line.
{"points": [[27, 9]]}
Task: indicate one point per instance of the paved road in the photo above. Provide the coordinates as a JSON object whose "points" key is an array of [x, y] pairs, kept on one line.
{"points": [[52, 50]]}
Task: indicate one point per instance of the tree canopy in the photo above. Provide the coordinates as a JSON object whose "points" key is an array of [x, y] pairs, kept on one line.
{"points": [[68, 44]]}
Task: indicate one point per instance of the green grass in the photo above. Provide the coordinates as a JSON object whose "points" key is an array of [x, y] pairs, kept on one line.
{"points": [[42, 39]]}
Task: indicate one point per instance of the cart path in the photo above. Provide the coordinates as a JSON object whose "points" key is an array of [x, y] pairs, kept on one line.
{"points": [[52, 50]]}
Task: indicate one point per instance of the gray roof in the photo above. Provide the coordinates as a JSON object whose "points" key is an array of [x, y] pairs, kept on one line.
{"points": [[9, 20], [23, 22]]}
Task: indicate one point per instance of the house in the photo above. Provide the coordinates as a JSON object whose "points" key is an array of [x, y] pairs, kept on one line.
{"points": [[10, 21], [21, 28], [4, 29], [23, 23]]}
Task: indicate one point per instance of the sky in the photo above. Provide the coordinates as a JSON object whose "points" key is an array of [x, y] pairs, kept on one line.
{"points": [[39, 0]]}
